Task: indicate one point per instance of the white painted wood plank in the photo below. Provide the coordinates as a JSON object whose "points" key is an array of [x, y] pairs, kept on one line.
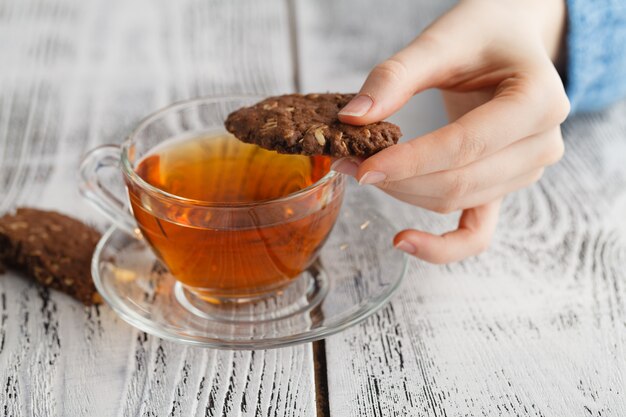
{"points": [[535, 327], [75, 74]]}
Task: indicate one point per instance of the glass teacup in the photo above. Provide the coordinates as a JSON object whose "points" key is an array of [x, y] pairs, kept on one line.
{"points": [[235, 236]]}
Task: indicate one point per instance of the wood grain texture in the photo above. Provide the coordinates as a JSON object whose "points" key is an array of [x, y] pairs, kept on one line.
{"points": [[76, 74], [534, 327]]}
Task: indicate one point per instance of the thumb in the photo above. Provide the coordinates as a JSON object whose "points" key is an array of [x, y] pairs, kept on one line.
{"points": [[393, 82]]}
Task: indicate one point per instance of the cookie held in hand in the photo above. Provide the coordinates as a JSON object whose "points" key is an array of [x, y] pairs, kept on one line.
{"points": [[308, 125], [52, 248]]}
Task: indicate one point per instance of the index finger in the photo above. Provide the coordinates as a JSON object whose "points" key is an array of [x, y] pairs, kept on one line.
{"points": [[519, 110]]}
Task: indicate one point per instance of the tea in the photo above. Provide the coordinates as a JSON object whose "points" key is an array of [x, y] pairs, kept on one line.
{"points": [[220, 244]]}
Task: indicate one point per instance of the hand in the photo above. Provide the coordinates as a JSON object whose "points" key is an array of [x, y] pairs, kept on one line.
{"points": [[493, 61]]}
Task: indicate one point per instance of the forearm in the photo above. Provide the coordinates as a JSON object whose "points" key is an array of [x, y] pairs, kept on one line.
{"points": [[586, 40]]}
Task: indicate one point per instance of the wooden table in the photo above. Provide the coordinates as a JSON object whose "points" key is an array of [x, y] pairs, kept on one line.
{"points": [[534, 327]]}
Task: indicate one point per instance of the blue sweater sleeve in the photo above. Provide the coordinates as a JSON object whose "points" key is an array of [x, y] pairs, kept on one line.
{"points": [[596, 61]]}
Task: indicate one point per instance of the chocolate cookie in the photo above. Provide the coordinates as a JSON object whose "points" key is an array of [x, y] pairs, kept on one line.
{"points": [[52, 248], [308, 124]]}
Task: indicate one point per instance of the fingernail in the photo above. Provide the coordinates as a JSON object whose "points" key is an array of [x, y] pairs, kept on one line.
{"points": [[407, 247], [372, 177], [357, 107], [346, 166]]}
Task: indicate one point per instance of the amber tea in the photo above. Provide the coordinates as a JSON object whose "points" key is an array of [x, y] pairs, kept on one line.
{"points": [[231, 238]]}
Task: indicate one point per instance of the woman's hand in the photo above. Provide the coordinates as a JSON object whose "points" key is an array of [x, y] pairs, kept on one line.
{"points": [[494, 62]]}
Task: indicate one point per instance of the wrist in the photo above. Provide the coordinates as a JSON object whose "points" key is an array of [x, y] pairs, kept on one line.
{"points": [[551, 18]]}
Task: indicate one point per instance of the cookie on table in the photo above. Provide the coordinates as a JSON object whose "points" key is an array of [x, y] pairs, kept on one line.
{"points": [[52, 248], [308, 124]]}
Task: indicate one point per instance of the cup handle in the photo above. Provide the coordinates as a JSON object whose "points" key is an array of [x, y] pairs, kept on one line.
{"points": [[91, 187]]}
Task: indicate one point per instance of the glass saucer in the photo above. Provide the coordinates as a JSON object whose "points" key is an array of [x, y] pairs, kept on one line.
{"points": [[356, 273]]}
